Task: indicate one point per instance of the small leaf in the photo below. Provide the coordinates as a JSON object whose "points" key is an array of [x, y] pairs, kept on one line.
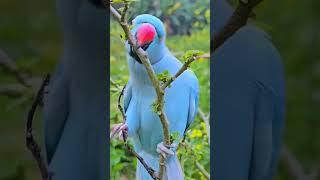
{"points": [[174, 136], [191, 53], [121, 9], [156, 107], [164, 76]]}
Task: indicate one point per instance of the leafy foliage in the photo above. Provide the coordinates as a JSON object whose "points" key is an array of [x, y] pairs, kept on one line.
{"points": [[155, 107], [164, 76], [174, 136], [191, 54], [294, 33]]}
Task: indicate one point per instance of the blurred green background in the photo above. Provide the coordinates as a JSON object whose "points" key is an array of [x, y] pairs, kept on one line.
{"points": [[294, 28], [29, 33]]}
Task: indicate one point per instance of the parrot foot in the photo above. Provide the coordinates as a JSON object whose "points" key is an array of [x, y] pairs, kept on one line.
{"points": [[119, 128], [164, 150]]}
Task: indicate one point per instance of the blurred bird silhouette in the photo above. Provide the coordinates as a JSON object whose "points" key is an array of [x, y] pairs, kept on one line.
{"points": [[75, 108], [248, 102]]}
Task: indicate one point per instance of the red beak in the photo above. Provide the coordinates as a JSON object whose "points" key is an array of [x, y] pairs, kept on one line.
{"points": [[145, 34]]}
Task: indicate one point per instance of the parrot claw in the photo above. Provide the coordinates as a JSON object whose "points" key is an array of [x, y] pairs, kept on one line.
{"points": [[165, 151], [119, 128]]}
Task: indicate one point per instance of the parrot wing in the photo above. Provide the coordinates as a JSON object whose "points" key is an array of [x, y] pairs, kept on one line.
{"points": [[132, 120], [190, 104], [268, 130], [193, 100], [55, 111]]}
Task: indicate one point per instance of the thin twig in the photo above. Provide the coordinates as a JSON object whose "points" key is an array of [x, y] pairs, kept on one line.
{"points": [[124, 12], [295, 167], [206, 121], [202, 170], [151, 171], [112, 82], [197, 163], [124, 117], [182, 69], [9, 65], [30, 141], [12, 90], [119, 104]]}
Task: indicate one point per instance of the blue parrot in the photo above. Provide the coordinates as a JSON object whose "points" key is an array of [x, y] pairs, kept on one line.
{"points": [[181, 99], [74, 111], [248, 102]]}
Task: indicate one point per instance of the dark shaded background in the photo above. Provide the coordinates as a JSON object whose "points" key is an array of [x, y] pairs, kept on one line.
{"points": [[29, 34], [294, 28]]}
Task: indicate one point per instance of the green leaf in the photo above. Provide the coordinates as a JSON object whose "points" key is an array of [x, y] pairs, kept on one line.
{"points": [[156, 107], [174, 136], [164, 76], [121, 9], [191, 53]]}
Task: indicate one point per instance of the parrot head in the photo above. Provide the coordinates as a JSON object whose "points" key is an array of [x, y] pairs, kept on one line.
{"points": [[149, 32]]}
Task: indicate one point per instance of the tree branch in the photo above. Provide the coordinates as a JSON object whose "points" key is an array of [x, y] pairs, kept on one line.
{"points": [[206, 121], [295, 168], [30, 141], [182, 69], [196, 162], [202, 170], [238, 19], [9, 65], [12, 90]]}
